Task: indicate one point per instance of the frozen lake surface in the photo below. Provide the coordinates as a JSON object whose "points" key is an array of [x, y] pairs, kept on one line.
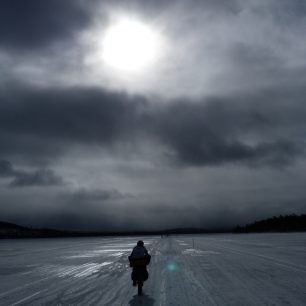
{"points": [[254, 269]]}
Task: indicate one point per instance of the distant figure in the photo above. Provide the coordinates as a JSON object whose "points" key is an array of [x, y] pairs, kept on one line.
{"points": [[139, 259]]}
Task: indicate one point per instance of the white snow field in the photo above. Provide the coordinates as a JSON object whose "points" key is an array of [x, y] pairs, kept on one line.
{"points": [[253, 269]]}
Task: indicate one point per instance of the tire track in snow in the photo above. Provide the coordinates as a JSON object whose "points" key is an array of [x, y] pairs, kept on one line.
{"points": [[273, 260], [26, 298]]}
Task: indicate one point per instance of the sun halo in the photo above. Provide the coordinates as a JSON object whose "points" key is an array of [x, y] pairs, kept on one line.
{"points": [[130, 46]]}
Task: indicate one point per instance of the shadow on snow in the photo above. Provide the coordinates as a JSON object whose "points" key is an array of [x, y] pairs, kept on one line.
{"points": [[141, 300]]}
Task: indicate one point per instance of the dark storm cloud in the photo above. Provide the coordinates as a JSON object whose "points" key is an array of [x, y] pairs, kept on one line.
{"points": [[6, 169], [22, 178], [33, 24], [214, 132], [209, 151], [252, 129], [45, 122], [88, 195], [90, 209], [214, 150], [44, 177]]}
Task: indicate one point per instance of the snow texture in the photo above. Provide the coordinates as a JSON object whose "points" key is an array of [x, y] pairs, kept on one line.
{"points": [[245, 269]]}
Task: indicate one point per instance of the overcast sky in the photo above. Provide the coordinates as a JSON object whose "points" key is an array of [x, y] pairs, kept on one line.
{"points": [[210, 135]]}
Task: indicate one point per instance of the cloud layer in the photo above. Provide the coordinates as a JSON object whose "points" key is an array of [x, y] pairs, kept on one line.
{"points": [[22, 178], [33, 24], [212, 135], [253, 129]]}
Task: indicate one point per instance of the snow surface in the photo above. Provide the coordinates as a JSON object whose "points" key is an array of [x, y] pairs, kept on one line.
{"points": [[253, 269]]}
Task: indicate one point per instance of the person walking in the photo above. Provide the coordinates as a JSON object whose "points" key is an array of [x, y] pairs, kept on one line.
{"points": [[139, 259]]}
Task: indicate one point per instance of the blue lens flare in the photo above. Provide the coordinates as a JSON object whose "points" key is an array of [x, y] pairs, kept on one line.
{"points": [[171, 266]]}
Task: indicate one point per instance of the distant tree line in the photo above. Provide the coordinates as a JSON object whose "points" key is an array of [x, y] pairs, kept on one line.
{"points": [[10, 230], [287, 223]]}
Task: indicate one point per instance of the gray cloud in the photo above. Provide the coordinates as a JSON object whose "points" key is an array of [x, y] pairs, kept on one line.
{"points": [[6, 169], [34, 24], [252, 129], [51, 120], [92, 209], [45, 177], [89, 195], [22, 178], [213, 47]]}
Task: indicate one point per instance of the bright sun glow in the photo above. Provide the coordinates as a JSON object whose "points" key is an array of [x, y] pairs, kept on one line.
{"points": [[130, 45]]}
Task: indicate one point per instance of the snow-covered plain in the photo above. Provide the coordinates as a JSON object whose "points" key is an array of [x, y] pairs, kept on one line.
{"points": [[254, 269]]}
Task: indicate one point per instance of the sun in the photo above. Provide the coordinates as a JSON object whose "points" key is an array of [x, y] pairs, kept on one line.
{"points": [[130, 45]]}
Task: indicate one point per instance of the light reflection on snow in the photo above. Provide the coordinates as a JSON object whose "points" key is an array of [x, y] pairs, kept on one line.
{"points": [[75, 270], [196, 252], [118, 254], [110, 250], [121, 245], [96, 253]]}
